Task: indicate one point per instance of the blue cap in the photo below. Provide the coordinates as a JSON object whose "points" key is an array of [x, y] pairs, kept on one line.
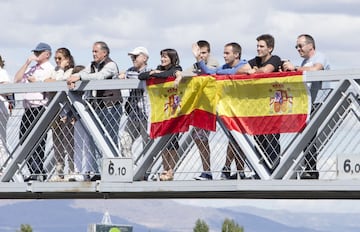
{"points": [[42, 47]]}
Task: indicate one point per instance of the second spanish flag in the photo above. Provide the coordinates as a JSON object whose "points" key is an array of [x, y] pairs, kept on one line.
{"points": [[264, 103]]}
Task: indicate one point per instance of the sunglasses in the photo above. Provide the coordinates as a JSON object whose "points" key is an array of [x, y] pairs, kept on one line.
{"points": [[133, 57], [58, 58], [37, 53], [300, 46]]}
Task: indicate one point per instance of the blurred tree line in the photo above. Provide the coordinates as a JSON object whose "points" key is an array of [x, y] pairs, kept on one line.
{"points": [[227, 226]]}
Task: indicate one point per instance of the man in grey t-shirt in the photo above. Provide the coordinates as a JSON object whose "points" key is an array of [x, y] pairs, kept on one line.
{"points": [[313, 61]]}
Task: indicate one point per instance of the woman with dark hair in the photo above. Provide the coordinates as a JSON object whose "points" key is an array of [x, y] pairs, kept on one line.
{"points": [[170, 66], [64, 65], [63, 127]]}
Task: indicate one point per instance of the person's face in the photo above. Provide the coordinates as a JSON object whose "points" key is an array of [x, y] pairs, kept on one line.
{"points": [[42, 56], [303, 47], [165, 60], [98, 53], [262, 49], [139, 61], [229, 55], [204, 53], [59, 57]]}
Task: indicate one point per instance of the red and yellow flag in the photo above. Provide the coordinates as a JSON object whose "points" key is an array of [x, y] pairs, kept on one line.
{"points": [[174, 110], [263, 103]]}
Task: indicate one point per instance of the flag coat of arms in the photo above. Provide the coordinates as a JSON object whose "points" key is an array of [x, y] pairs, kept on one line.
{"points": [[263, 103]]}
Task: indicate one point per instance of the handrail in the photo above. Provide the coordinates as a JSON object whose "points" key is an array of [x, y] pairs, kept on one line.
{"points": [[309, 76]]}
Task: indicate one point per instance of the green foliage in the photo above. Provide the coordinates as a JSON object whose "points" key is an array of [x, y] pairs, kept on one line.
{"points": [[25, 228], [231, 226], [201, 226]]}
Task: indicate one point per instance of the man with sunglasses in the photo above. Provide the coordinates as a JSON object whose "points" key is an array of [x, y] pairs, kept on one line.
{"points": [[313, 61], [34, 104]]}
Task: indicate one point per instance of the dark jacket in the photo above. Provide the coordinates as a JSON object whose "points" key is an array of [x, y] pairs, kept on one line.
{"points": [[164, 74]]}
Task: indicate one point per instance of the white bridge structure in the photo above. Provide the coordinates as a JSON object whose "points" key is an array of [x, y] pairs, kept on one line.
{"points": [[331, 138]]}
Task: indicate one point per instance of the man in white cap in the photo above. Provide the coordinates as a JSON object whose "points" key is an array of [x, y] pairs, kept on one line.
{"points": [[136, 106], [34, 103]]}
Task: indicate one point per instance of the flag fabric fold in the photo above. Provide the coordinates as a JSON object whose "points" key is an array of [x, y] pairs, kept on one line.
{"points": [[174, 110]]}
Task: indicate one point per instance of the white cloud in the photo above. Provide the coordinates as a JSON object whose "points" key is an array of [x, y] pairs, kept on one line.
{"points": [[158, 24]]}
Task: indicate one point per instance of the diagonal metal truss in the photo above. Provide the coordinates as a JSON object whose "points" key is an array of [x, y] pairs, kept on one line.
{"points": [[332, 131]]}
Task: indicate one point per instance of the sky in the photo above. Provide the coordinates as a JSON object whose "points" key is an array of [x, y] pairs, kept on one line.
{"points": [[159, 24]]}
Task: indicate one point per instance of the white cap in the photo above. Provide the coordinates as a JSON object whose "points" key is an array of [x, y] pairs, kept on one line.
{"points": [[139, 50]]}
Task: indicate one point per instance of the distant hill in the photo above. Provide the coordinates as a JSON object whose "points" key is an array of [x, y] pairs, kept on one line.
{"points": [[53, 216], [161, 215], [167, 214]]}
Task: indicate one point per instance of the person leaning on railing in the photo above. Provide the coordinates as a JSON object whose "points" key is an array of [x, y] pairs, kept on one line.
{"points": [[170, 66], [266, 62], [108, 102], [63, 126], [233, 64], [313, 61], [136, 105], [201, 136], [34, 103]]}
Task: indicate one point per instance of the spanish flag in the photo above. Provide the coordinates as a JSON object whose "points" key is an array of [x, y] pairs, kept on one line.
{"points": [[264, 103], [174, 110]]}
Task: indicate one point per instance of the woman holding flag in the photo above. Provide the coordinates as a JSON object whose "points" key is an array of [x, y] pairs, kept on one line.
{"points": [[169, 67]]}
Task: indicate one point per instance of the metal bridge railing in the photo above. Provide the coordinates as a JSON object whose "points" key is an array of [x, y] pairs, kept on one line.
{"points": [[68, 138]]}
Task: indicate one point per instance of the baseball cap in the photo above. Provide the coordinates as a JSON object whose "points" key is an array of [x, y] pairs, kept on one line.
{"points": [[42, 47], [139, 50]]}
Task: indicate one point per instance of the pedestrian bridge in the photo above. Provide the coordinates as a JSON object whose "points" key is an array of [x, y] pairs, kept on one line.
{"points": [[329, 145]]}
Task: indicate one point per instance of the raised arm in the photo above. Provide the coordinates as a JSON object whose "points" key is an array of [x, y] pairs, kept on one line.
{"points": [[20, 73]]}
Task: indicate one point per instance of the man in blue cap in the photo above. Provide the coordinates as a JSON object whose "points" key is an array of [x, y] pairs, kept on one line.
{"points": [[34, 103]]}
